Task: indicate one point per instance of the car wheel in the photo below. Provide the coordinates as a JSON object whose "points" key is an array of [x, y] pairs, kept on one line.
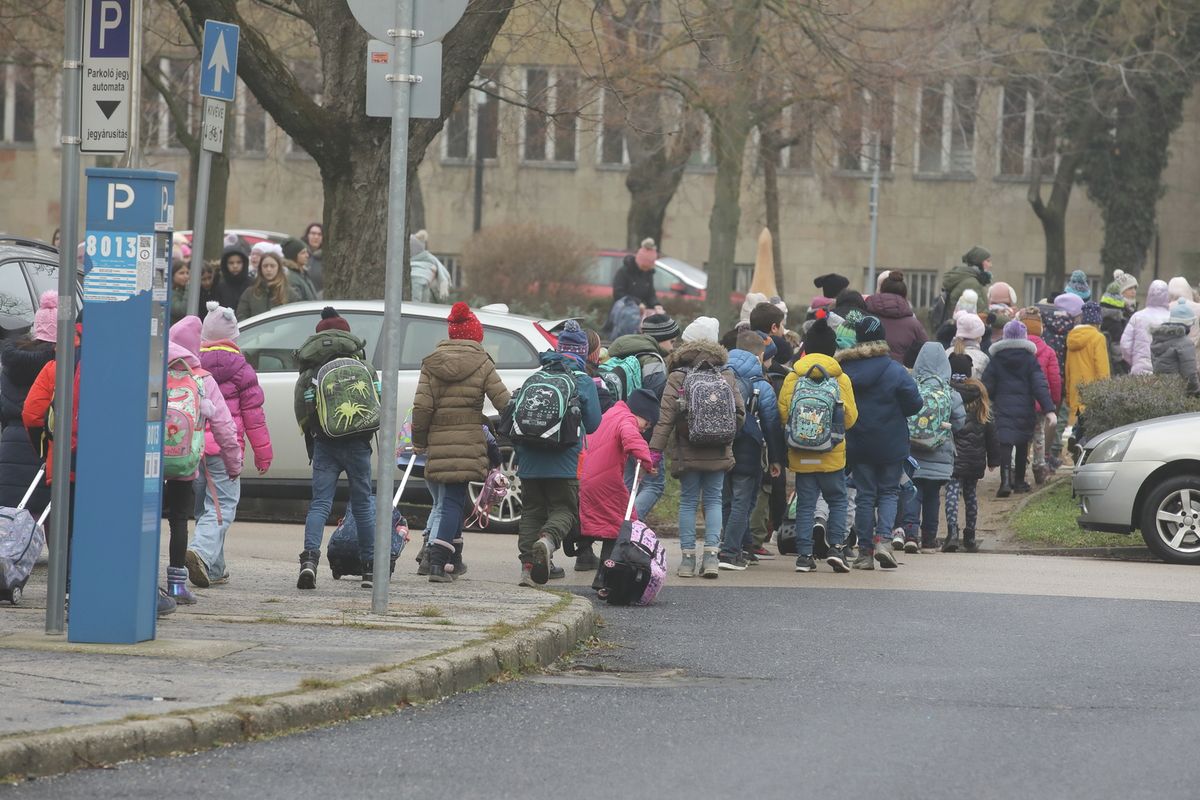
{"points": [[1171, 520], [505, 516]]}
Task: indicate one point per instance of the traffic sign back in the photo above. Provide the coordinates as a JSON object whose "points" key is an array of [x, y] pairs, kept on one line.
{"points": [[218, 60], [434, 17]]}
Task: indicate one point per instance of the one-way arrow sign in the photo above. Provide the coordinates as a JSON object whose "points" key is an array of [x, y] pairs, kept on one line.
{"points": [[218, 60]]}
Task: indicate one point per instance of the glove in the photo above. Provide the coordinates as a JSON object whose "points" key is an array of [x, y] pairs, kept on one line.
{"points": [[1052, 419], [656, 459]]}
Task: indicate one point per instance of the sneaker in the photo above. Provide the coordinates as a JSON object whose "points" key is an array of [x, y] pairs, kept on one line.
{"points": [[805, 564], [221, 581], [710, 568], [864, 561], [898, 539], [687, 566], [820, 528], [727, 561], [166, 603], [526, 576], [197, 571], [308, 570], [763, 553], [557, 572], [585, 560], [837, 559], [884, 557], [912, 546], [543, 548], [750, 559]]}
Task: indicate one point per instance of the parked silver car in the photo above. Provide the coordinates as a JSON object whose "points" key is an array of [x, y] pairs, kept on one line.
{"points": [[269, 340], [1145, 476]]}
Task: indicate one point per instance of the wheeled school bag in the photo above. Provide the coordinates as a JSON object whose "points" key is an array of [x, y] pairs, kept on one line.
{"points": [[636, 570], [346, 398], [710, 405], [545, 412], [342, 550], [21, 541], [929, 428]]}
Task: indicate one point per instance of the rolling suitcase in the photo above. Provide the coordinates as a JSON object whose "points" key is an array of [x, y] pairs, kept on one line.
{"points": [[21, 541], [342, 550]]}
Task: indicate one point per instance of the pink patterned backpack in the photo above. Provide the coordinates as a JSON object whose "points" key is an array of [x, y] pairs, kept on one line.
{"points": [[495, 489]]}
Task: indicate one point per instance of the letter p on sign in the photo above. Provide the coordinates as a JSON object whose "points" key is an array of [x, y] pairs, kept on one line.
{"points": [[110, 19], [113, 203], [109, 29]]}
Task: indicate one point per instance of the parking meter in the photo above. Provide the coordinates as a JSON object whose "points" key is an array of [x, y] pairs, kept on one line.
{"points": [[122, 374]]}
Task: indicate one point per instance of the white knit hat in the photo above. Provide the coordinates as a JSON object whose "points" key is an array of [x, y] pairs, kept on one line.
{"points": [[703, 329]]}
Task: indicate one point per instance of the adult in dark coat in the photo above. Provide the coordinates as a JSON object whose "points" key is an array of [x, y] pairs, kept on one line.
{"points": [[905, 333], [635, 278], [22, 359], [1016, 386]]}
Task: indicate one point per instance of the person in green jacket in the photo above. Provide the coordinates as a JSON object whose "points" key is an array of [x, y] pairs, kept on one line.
{"points": [[973, 273], [181, 273]]}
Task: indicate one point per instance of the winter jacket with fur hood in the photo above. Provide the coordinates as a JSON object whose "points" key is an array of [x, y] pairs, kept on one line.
{"points": [[448, 409], [1174, 354], [1135, 342], [905, 333], [1087, 361], [1016, 386], [937, 464], [672, 428], [886, 396], [804, 461]]}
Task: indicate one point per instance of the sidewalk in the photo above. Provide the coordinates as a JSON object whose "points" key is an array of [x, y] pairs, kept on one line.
{"points": [[321, 654]]}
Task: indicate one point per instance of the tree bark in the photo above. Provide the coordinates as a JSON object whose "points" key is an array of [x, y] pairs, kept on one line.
{"points": [[657, 164], [1053, 216], [769, 152]]}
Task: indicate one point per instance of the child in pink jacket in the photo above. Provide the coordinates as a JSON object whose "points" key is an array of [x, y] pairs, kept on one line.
{"points": [[603, 495], [218, 494], [184, 347]]}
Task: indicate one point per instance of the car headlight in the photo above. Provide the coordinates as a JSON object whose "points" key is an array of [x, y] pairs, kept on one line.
{"points": [[1111, 449]]}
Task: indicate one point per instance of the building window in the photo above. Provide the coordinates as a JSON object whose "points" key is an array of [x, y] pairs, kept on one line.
{"points": [[743, 275], [704, 155], [17, 103], [866, 117], [474, 122], [946, 141], [1025, 135], [251, 123], [550, 124], [612, 145], [924, 285], [798, 125]]}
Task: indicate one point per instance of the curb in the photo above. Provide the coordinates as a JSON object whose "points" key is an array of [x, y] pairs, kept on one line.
{"points": [[42, 754]]}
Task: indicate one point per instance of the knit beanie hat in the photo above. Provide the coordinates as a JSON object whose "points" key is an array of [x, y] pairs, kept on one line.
{"points": [[894, 284], [1124, 280], [831, 285], [1179, 287], [464, 324], [702, 329], [748, 306], [643, 403], [869, 329], [220, 324], [1112, 296], [849, 299], [647, 254], [976, 256], [594, 347], [417, 243], [968, 303], [1001, 293], [1069, 302], [292, 249], [820, 338], [752, 342], [1016, 330], [1078, 284], [573, 340], [969, 326], [332, 320], [45, 321], [660, 327], [1181, 312], [1091, 313], [1032, 319], [879, 279]]}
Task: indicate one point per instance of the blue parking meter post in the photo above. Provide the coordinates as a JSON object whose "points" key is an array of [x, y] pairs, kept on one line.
{"points": [[122, 375]]}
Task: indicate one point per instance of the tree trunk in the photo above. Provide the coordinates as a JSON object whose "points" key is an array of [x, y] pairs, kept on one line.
{"points": [[650, 192], [657, 163], [769, 152], [1053, 216]]}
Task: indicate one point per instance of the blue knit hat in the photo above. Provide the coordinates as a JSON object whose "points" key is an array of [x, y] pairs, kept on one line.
{"points": [[1181, 313], [643, 403], [869, 329], [573, 340], [1078, 285], [1091, 314]]}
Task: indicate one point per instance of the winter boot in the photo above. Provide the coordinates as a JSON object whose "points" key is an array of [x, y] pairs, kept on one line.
{"points": [[456, 567], [969, 544], [309, 560], [423, 560], [177, 586], [368, 574], [440, 554], [166, 605], [950, 545], [1039, 475], [1005, 481], [585, 559]]}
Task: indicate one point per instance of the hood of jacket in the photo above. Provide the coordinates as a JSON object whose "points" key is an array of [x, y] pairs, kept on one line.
{"points": [[745, 364], [24, 358], [327, 345], [633, 344], [871, 360], [690, 353], [453, 360], [1005, 347], [932, 361], [807, 364], [186, 333], [177, 352], [1080, 337], [1161, 333], [960, 274], [889, 306], [243, 277], [1158, 295]]}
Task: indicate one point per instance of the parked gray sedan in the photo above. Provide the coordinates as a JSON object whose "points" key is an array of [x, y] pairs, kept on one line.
{"points": [[1145, 476]]}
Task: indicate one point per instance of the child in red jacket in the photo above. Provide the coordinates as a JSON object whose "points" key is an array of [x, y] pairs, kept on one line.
{"points": [[1048, 361]]}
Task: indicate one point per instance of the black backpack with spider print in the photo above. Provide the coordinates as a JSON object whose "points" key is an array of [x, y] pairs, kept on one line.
{"points": [[347, 399]]}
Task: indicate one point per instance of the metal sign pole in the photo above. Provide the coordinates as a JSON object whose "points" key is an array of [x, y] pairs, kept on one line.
{"points": [[402, 37], [134, 157], [60, 493], [874, 203], [199, 231]]}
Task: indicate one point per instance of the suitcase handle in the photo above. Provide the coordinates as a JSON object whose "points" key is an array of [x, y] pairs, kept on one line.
{"points": [[404, 481], [41, 473], [637, 474]]}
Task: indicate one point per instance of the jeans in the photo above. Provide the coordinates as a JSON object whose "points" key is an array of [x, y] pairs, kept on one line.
{"points": [[694, 488], [878, 487], [650, 488], [809, 487], [330, 459], [217, 497], [435, 510], [924, 512], [740, 497], [549, 506], [453, 510], [970, 499]]}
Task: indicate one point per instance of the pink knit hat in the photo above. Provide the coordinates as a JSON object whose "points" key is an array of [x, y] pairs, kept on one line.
{"points": [[220, 324], [45, 322], [1000, 293]]}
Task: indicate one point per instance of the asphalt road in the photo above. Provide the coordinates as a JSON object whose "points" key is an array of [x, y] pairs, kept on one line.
{"points": [[770, 692]]}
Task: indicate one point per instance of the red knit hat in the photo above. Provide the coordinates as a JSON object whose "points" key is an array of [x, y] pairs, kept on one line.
{"points": [[464, 324], [332, 320]]}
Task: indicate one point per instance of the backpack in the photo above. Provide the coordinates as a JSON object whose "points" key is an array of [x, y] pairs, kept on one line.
{"points": [[624, 318], [183, 425], [495, 488], [929, 428], [710, 406], [623, 376], [816, 416], [545, 411], [637, 568], [940, 310], [346, 398]]}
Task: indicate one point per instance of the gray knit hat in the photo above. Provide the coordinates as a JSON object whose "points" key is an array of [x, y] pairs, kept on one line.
{"points": [[660, 327]]}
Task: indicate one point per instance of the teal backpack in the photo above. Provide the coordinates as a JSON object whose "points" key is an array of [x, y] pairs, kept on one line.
{"points": [[816, 417], [929, 428]]}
